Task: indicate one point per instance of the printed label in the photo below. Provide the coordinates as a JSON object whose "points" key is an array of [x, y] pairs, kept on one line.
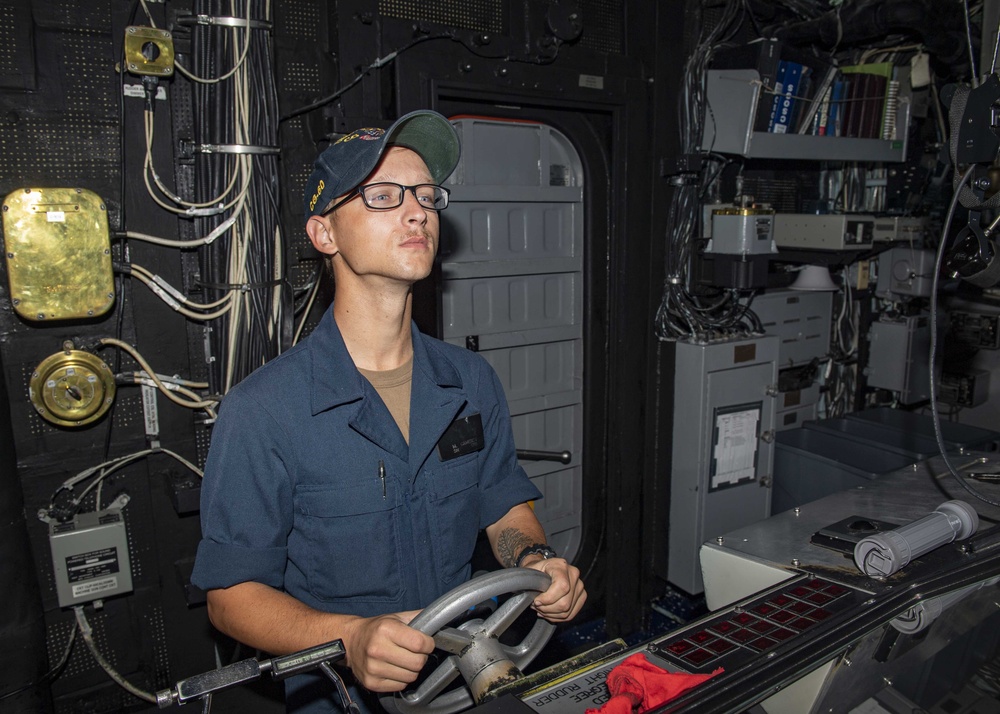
{"points": [[94, 587], [88, 566], [137, 90], [590, 691]]}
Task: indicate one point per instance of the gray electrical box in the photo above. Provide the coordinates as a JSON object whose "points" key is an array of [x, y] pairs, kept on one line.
{"points": [[900, 228], [905, 271], [742, 231], [800, 319], [898, 357], [795, 407], [721, 466], [831, 231], [90, 557]]}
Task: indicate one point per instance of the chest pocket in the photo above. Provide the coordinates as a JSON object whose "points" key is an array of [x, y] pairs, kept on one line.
{"points": [[454, 506], [349, 543]]}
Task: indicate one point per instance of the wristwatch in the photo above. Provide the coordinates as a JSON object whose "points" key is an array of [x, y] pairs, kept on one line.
{"points": [[535, 549]]}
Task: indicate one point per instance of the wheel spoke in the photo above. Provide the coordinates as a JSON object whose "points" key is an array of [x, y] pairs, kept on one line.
{"points": [[497, 623], [435, 682], [522, 653], [452, 640]]}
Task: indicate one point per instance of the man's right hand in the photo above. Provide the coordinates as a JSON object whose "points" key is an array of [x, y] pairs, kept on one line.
{"points": [[384, 652]]}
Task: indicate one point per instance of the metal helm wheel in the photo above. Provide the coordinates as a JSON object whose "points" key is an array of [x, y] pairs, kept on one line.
{"points": [[476, 652]]}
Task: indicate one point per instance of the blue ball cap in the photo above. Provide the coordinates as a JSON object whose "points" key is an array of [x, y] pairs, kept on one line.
{"points": [[347, 162]]}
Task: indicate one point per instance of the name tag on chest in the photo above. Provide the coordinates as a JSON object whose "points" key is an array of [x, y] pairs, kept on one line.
{"points": [[464, 436]]}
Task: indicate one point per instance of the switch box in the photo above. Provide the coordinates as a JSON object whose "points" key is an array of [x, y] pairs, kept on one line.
{"points": [[964, 389], [723, 432], [898, 357], [90, 557], [832, 231]]}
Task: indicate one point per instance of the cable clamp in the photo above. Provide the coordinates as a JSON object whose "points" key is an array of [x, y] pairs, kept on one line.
{"points": [[224, 21], [673, 279], [144, 379], [166, 292], [683, 180], [220, 229], [210, 211], [236, 149], [119, 503]]}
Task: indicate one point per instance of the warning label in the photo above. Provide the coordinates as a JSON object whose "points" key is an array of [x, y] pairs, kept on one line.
{"points": [[94, 587], [92, 565], [589, 690]]}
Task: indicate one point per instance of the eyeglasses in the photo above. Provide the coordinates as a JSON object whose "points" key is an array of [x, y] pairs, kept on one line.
{"points": [[386, 196]]}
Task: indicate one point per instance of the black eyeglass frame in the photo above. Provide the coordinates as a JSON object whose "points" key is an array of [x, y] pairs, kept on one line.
{"points": [[360, 191]]}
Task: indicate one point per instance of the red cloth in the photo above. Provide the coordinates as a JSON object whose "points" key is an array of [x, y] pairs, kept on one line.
{"points": [[638, 683]]}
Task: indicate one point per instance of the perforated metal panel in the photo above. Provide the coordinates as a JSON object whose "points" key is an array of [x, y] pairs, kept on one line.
{"points": [[91, 16], [71, 132], [483, 15], [604, 25], [17, 62], [298, 19]]}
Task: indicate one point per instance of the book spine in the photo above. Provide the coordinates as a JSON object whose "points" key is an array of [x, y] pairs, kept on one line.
{"points": [[819, 102], [786, 108], [836, 109], [823, 115], [779, 88], [891, 103], [767, 66]]}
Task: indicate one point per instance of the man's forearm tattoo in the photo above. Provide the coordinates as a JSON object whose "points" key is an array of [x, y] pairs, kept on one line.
{"points": [[510, 543]]}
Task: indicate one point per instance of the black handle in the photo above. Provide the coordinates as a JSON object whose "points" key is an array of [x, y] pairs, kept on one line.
{"points": [[563, 457]]}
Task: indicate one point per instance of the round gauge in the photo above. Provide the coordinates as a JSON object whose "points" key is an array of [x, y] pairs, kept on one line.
{"points": [[72, 388]]}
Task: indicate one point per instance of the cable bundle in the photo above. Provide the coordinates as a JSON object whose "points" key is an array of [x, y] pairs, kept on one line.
{"points": [[682, 312], [246, 260]]}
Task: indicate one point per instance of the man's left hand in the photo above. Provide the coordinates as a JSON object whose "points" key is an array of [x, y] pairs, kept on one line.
{"points": [[565, 596]]}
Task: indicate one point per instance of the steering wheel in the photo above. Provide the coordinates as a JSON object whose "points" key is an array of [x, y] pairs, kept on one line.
{"points": [[476, 651]]}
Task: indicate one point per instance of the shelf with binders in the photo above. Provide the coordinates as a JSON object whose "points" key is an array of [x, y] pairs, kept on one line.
{"points": [[734, 102]]}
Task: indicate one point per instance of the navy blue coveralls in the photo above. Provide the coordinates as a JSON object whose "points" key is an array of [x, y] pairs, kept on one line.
{"points": [[293, 495]]}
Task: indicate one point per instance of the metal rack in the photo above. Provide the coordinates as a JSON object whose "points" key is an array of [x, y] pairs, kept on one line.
{"points": [[733, 97]]}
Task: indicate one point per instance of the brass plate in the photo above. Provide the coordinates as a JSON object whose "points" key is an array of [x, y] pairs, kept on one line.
{"points": [[58, 253], [72, 388], [149, 51]]}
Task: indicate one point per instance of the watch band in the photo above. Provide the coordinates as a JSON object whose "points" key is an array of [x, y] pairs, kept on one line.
{"points": [[535, 549]]}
